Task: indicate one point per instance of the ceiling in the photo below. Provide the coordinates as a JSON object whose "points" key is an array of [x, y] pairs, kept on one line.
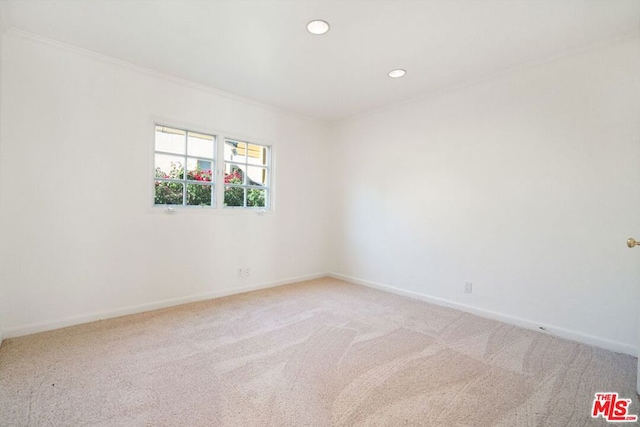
{"points": [[262, 51]]}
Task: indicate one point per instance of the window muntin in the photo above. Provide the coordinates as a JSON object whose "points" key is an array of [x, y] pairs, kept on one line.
{"points": [[246, 174], [175, 150]]}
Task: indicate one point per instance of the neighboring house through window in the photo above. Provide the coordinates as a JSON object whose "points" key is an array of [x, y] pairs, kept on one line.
{"points": [[246, 174]]}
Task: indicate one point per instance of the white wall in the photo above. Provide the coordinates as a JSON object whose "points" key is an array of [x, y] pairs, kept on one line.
{"points": [[80, 240], [527, 185]]}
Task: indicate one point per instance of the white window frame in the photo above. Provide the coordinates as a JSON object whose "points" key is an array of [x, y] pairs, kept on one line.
{"points": [[184, 181], [246, 164], [217, 201]]}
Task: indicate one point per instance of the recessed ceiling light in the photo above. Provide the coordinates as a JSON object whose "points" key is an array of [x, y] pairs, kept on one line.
{"points": [[397, 73], [318, 27]]}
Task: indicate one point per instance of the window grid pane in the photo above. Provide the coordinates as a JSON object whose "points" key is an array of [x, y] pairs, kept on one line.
{"points": [[199, 194], [169, 193], [170, 140], [184, 166]]}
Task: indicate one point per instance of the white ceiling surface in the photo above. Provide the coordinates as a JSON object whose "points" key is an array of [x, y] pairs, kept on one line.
{"points": [[262, 51]]}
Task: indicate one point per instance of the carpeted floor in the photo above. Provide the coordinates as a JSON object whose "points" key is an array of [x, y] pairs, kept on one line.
{"points": [[317, 353]]}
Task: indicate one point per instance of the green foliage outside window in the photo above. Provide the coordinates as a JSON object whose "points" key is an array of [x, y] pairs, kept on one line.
{"points": [[170, 193], [199, 193], [234, 196]]}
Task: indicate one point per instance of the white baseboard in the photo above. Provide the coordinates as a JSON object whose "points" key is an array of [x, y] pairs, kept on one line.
{"points": [[109, 314], [518, 321], [615, 346]]}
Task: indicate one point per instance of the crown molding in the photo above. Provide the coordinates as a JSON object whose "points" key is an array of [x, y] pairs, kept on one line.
{"points": [[13, 31], [495, 75]]}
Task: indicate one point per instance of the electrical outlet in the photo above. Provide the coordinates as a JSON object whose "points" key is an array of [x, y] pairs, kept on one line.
{"points": [[468, 287], [247, 271]]}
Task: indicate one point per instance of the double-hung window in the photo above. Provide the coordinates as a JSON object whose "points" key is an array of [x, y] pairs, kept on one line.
{"points": [[185, 170], [246, 174], [184, 167]]}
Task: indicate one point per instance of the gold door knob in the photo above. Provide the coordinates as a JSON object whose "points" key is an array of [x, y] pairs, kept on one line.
{"points": [[631, 242]]}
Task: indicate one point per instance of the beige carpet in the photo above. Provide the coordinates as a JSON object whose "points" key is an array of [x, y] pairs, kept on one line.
{"points": [[317, 353]]}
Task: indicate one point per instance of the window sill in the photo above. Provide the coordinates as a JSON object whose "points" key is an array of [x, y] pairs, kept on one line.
{"points": [[199, 210]]}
